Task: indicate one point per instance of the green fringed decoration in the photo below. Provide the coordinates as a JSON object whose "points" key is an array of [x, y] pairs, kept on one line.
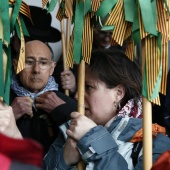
{"points": [[155, 92], [135, 26], [150, 21], [81, 9], [108, 27], [4, 13], [79, 22], [1, 71], [17, 30], [52, 5], [4, 38], [8, 76], [87, 6], [15, 13], [24, 28], [105, 7], [129, 6], [144, 84]]}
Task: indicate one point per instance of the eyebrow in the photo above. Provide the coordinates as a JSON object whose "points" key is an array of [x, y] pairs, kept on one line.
{"points": [[40, 58]]}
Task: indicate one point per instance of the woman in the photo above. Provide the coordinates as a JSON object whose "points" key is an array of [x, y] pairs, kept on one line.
{"points": [[102, 138]]}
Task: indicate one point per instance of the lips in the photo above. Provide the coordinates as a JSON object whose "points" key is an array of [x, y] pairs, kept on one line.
{"points": [[35, 79]]}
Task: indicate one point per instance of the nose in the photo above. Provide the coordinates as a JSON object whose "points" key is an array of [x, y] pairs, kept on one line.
{"points": [[36, 67], [107, 37]]}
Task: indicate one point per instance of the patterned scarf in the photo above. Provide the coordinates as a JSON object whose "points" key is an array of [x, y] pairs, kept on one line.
{"points": [[131, 109], [21, 91]]}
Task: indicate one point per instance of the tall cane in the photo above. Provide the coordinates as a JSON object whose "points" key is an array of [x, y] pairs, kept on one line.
{"points": [[81, 107], [147, 125], [63, 48]]}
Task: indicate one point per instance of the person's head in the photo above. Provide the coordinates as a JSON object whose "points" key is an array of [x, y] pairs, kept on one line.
{"points": [[38, 66], [111, 80], [101, 38]]}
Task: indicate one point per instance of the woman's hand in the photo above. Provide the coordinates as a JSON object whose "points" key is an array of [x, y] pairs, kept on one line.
{"points": [[79, 126], [71, 153]]}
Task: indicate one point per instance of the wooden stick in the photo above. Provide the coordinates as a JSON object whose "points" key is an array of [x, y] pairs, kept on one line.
{"points": [[147, 125], [68, 27], [63, 48], [147, 134], [81, 106]]}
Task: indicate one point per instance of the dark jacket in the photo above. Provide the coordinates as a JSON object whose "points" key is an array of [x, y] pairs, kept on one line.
{"points": [[43, 127]]}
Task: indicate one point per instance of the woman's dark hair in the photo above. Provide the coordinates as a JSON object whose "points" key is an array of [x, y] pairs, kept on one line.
{"points": [[113, 68]]}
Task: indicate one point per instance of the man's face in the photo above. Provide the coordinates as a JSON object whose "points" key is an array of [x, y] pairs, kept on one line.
{"points": [[102, 39], [38, 67]]}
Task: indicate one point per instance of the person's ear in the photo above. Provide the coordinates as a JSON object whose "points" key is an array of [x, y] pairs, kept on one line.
{"points": [[52, 68], [120, 93], [15, 63]]}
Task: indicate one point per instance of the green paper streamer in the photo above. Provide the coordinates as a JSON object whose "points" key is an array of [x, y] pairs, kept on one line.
{"points": [[105, 7], [17, 28], [129, 6], [148, 17], [155, 92], [8, 76], [87, 6], [52, 5], [15, 13], [107, 28], [135, 26], [78, 30], [24, 28], [144, 84], [136, 37], [81, 10], [1, 70], [4, 13]]}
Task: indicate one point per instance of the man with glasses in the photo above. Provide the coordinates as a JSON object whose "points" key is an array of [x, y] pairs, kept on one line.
{"points": [[38, 106]]}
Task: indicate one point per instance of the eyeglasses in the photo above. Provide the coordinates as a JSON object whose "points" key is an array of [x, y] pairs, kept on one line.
{"points": [[43, 64]]}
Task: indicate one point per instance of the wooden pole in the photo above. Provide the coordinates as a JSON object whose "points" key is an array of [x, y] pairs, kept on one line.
{"points": [[63, 48], [147, 134], [147, 124], [68, 27], [81, 106]]}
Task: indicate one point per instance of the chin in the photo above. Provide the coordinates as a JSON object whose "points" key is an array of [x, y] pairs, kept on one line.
{"points": [[36, 89]]}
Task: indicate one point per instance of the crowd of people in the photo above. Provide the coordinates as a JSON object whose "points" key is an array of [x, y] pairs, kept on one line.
{"points": [[42, 130]]}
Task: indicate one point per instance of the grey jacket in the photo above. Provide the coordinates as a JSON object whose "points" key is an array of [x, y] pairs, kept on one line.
{"points": [[106, 149]]}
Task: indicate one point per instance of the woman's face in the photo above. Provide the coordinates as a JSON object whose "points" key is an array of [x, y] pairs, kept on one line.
{"points": [[99, 100]]}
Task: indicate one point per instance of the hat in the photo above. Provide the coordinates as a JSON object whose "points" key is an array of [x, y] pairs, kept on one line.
{"points": [[41, 28]]}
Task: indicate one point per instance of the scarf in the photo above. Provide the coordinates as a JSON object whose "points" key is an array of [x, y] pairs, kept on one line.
{"points": [[21, 91], [131, 109]]}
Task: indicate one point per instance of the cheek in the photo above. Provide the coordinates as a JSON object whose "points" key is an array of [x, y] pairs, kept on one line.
{"points": [[24, 76], [96, 105], [101, 104]]}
